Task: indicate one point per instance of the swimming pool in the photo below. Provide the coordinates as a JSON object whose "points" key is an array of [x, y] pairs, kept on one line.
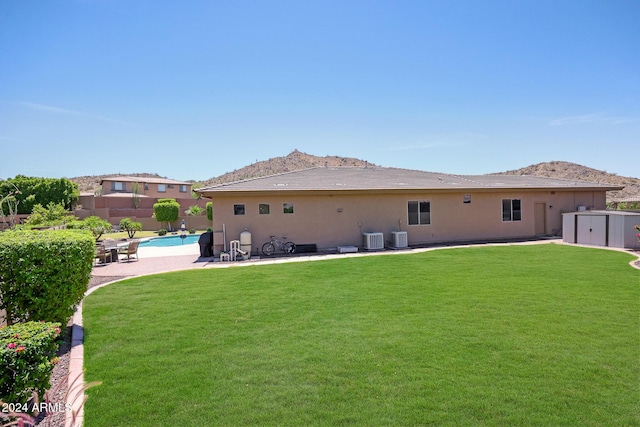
{"points": [[173, 240]]}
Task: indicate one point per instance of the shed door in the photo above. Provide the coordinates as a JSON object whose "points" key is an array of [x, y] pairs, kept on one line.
{"points": [[592, 230]]}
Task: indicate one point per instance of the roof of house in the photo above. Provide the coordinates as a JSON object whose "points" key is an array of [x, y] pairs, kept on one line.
{"points": [[391, 179], [141, 179]]}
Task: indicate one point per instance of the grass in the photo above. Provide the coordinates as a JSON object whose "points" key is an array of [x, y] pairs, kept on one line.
{"points": [[520, 335]]}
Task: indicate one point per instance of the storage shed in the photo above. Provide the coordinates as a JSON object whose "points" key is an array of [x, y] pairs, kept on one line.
{"points": [[601, 228]]}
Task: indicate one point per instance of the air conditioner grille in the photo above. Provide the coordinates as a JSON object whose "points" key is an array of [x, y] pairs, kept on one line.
{"points": [[373, 241], [399, 239]]}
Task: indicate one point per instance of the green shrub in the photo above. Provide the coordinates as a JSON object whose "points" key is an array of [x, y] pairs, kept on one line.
{"points": [[209, 207], [192, 231], [162, 232], [130, 226], [95, 224], [52, 215], [44, 274], [27, 356], [43, 191], [166, 210], [98, 226]]}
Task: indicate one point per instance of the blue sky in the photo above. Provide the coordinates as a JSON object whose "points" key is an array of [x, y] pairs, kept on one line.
{"points": [[194, 89]]}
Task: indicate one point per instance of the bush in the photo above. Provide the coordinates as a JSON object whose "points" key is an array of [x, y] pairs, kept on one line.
{"points": [[209, 207], [166, 210], [162, 232], [52, 215], [43, 191], [95, 224], [27, 356], [130, 226], [44, 274], [192, 231]]}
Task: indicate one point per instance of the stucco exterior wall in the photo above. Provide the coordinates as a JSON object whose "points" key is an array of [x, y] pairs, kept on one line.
{"points": [[331, 220]]}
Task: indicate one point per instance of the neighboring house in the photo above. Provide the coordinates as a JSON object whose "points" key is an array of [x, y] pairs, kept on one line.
{"points": [[133, 197], [333, 207]]}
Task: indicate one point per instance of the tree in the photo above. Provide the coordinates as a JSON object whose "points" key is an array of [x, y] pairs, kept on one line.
{"points": [[9, 204], [54, 214], [135, 194], [166, 210], [210, 211], [130, 226], [41, 191], [97, 225]]}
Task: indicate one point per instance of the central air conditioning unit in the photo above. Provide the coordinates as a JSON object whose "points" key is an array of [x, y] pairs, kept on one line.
{"points": [[399, 239], [373, 241]]}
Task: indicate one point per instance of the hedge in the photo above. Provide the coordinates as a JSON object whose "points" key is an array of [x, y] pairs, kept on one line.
{"points": [[166, 210], [27, 357], [44, 274]]}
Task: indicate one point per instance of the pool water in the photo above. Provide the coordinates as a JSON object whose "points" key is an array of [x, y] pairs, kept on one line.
{"points": [[173, 240]]}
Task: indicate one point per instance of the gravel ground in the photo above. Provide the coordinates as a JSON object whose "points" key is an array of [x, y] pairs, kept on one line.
{"points": [[59, 376]]}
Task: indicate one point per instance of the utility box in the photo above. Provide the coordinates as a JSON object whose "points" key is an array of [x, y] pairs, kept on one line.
{"points": [[399, 239], [373, 241]]}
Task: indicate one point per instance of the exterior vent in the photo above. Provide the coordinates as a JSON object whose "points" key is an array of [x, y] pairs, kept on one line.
{"points": [[373, 241], [399, 239]]}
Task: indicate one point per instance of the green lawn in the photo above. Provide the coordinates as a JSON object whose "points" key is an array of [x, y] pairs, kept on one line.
{"points": [[518, 335]]}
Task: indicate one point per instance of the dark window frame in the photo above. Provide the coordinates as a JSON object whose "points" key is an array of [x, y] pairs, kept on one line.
{"points": [[511, 210], [419, 212]]}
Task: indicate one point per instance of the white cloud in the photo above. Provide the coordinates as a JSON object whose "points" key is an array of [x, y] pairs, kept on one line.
{"points": [[456, 139], [58, 110], [601, 118]]}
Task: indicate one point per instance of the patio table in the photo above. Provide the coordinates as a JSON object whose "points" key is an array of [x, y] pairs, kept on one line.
{"points": [[114, 249]]}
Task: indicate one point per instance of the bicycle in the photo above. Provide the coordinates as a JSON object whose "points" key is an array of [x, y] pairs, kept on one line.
{"points": [[269, 248]]}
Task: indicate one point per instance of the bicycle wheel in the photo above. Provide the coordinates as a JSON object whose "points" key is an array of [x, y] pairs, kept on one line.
{"points": [[268, 249], [289, 247]]}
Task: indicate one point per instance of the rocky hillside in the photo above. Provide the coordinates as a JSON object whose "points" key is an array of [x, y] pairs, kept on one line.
{"points": [[296, 160], [573, 171]]}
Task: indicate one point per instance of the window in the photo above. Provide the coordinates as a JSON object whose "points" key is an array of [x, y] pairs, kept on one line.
{"points": [[170, 185], [238, 209], [146, 186], [183, 188], [162, 188], [118, 186], [419, 212], [511, 210], [287, 208], [263, 209]]}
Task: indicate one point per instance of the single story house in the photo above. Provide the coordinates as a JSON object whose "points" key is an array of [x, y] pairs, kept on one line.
{"points": [[343, 206], [133, 197]]}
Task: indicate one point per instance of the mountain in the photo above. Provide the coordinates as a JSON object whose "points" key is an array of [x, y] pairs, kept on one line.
{"points": [[297, 160], [576, 172]]}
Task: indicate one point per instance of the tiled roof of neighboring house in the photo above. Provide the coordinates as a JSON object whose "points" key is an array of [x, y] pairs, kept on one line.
{"points": [[392, 179], [140, 179], [116, 195]]}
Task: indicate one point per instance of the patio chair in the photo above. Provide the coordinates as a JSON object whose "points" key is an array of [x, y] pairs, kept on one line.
{"points": [[131, 250], [102, 253]]}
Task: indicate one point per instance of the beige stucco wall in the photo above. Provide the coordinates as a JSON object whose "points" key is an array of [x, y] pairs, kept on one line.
{"points": [[331, 220]]}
